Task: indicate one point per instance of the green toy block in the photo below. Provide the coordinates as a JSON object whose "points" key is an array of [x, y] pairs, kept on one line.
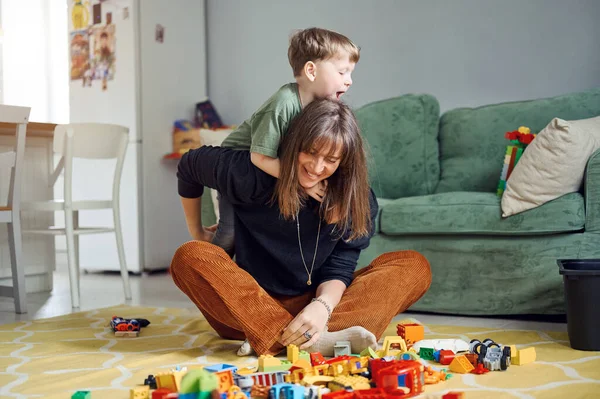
{"points": [[369, 352], [198, 380], [304, 355], [284, 366], [82, 395], [426, 353]]}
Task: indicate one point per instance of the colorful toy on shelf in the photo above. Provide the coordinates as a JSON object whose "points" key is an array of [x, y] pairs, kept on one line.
{"points": [[185, 137], [207, 116], [519, 139]]}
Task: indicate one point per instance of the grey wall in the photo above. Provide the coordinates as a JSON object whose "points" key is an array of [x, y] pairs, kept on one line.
{"points": [[465, 52]]}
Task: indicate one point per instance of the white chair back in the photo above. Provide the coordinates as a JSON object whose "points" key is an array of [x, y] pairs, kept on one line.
{"points": [[89, 141], [92, 140]]}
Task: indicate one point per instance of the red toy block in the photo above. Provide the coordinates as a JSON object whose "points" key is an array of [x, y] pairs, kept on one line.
{"points": [[454, 395], [479, 369], [446, 357], [317, 359], [161, 393], [339, 395], [373, 393]]}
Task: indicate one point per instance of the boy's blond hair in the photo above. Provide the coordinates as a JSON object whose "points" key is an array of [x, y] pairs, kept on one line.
{"points": [[316, 44]]}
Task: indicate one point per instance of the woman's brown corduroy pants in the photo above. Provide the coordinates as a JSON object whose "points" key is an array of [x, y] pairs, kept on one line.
{"points": [[238, 308]]}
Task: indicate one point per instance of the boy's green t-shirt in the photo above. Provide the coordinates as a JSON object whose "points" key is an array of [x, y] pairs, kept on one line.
{"points": [[264, 130]]}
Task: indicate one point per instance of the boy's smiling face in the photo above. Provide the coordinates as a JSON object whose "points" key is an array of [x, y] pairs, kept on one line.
{"points": [[333, 77]]}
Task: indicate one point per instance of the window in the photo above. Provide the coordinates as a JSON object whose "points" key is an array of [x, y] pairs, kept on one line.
{"points": [[34, 57]]}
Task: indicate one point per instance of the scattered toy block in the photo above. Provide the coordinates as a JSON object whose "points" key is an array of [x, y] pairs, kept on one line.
{"points": [[454, 395], [316, 358], [461, 365], [342, 348], [446, 357], [161, 393], [426, 353], [392, 345], [520, 357], [370, 353], [410, 332], [82, 395], [142, 392]]}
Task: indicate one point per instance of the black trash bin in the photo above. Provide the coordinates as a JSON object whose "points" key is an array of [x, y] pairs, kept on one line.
{"points": [[581, 279]]}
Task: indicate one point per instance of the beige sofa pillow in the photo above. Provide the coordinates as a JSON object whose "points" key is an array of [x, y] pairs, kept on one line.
{"points": [[552, 165]]}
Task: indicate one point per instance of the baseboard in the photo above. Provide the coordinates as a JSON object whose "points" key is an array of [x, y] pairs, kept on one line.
{"points": [[33, 283]]}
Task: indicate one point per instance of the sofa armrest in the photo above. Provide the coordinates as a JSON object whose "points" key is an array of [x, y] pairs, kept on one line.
{"points": [[591, 181]]}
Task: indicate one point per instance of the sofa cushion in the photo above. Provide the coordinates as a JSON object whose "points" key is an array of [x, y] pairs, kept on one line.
{"points": [[402, 135], [478, 213], [472, 143]]}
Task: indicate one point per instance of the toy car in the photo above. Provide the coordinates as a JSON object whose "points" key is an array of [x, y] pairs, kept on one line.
{"points": [[491, 354]]}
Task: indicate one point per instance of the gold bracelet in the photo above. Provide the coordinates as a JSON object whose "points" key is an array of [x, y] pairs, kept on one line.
{"points": [[326, 307]]}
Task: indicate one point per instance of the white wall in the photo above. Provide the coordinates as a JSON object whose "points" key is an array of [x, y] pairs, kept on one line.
{"points": [[173, 79], [465, 52]]}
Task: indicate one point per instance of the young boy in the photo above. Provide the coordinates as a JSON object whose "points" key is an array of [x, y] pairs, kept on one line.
{"points": [[322, 62]]}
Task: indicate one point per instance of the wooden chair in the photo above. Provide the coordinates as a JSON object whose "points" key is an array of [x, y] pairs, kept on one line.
{"points": [[10, 214]]}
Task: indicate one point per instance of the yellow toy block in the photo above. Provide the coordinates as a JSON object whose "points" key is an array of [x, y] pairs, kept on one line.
{"points": [[522, 356], [347, 382], [267, 361], [392, 345], [339, 368], [358, 365], [303, 364], [321, 369], [247, 370], [293, 353], [139, 392], [316, 380], [304, 355], [461, 365], [170, 380]]}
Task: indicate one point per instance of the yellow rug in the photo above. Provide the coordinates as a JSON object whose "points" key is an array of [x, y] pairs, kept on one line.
{"points": [[55, 357]]}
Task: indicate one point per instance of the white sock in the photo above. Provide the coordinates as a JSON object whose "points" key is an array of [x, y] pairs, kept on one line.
{"points": [[246, 349], [359, 337]]}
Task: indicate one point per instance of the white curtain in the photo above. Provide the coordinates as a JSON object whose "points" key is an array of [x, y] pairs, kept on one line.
{"points": [[34, 54]]}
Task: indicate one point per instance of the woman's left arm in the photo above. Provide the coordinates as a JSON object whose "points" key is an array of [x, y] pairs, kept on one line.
{"points": [[335, 275]]}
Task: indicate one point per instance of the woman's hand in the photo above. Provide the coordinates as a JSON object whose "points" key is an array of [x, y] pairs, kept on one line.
{"points": [[205, 233], [318, 191], [312, 319]]}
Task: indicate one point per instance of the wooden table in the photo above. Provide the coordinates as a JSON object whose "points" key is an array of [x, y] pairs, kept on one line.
{"points": [[38, 251]]}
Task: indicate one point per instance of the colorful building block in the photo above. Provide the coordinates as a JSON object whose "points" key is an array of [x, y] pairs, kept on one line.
{"points": [[411, 332], [461, 365], [342, 348], [520, 357], [142, 392], [82, 395]]}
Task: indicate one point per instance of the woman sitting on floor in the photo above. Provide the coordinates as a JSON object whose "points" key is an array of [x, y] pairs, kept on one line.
{"points": [[294, 279]]}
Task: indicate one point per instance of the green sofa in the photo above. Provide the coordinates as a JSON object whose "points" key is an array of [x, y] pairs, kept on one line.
{"points": [[436, 179]]}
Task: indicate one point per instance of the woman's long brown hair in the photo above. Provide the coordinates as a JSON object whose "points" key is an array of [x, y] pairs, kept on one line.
{"points": [[327, 124]]}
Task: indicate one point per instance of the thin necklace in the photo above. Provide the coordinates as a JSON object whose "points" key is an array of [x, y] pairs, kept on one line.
{"points": [[309, 281]]}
